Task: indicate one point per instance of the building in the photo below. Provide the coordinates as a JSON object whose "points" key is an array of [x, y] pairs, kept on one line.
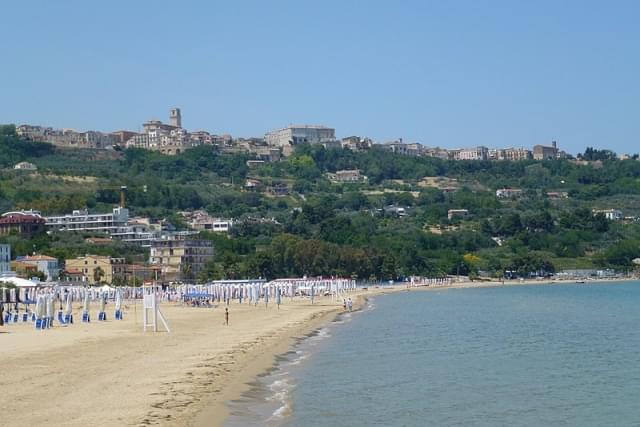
{"points": [[82, 220], [477, 153], [294, 135], [175, 117], [202, 221], [23, 269], [515, 154], [610, 214], [45, 264], [457, 213], [26, 166], [23, 223], [508, 193], [350, 175], [557, 195], [120, 137], [98, 269], [278, 189], [399, 147], [5, 260], [356, 143], [543, 152], [181, 259]]}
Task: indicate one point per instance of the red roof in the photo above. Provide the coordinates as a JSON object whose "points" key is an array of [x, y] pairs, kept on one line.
{"points": [[22, 219]]}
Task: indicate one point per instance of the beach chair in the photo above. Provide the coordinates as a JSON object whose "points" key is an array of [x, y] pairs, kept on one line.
{"points": [[85, 317]]}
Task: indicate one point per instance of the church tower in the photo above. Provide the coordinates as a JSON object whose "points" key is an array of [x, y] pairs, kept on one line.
{"points": [[175, 119]]}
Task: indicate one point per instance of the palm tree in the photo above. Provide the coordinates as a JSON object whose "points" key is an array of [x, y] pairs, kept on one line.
{"points": [[98, 274]]}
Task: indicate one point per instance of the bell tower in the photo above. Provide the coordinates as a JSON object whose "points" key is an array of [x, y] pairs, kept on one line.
{"points": [[175, 118]]}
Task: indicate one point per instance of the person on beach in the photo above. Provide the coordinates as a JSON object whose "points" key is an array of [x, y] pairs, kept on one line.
{"points": [[350, 304], [344, 304], [226, 316]]}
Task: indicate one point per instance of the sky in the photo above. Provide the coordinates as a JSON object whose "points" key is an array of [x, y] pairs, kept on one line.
{"points": [[443, 73]]}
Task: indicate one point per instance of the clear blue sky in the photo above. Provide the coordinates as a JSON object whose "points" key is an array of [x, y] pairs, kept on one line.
{"points": [[447, 73]]}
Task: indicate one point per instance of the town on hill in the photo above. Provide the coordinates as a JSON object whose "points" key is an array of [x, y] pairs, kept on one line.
{"points": [[167, 204]]}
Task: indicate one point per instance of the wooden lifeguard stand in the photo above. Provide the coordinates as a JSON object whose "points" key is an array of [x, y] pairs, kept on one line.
{"points": [[151, 310]]}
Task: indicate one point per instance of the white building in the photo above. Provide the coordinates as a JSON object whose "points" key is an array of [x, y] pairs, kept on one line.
{"points": [[508, 193], [293, 135], [45, 264], [477, 153], [610, 214], [82, 220], [26, 166]]}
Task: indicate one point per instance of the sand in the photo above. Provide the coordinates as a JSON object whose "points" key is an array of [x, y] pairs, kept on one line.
{"points": [[112, 373]]}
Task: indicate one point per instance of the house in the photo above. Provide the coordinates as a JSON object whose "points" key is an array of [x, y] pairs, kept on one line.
{"points": [[97, 269], [349, 175], [43, 263], [279, 190], [398, 211], [26, 166], [610, 214], [255, 163], [508, 193], [23, 223], [23, 269], [252, 184], [200, 220], [556, 195], [457, 213]]}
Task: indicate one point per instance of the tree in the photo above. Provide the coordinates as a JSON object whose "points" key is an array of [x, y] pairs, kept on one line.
{"points": [[98, 274]]}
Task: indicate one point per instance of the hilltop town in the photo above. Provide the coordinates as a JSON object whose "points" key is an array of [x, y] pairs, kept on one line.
{"points": [[172, 138]]}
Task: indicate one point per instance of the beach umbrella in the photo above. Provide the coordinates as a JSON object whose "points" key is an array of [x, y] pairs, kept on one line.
{"points": [[39, 307], [118, 302], [68, 305]]}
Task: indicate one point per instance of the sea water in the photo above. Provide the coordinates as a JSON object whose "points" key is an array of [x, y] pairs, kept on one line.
{"points": [[542, 355]]}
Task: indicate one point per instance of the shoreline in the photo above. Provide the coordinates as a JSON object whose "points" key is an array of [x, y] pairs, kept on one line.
{"points": [[236, 391], [209, 415], [111, 373]]}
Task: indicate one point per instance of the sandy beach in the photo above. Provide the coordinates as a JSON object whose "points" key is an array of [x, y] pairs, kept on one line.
{"points": [[112, 373]]}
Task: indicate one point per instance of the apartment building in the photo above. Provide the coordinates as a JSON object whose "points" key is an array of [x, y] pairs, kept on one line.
{"points": [[181, 259], [82, 220]]}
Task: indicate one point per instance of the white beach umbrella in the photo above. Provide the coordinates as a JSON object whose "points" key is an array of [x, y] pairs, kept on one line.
{"points": [[39, 307], [68, 308], [103, 301], [118, 302], [87, 301]]}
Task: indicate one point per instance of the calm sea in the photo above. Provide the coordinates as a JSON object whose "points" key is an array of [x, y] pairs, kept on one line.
{"points": [[544, 355]]}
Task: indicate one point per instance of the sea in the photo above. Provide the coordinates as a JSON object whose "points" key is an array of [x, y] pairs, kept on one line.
{"points": [[539, 355]]}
